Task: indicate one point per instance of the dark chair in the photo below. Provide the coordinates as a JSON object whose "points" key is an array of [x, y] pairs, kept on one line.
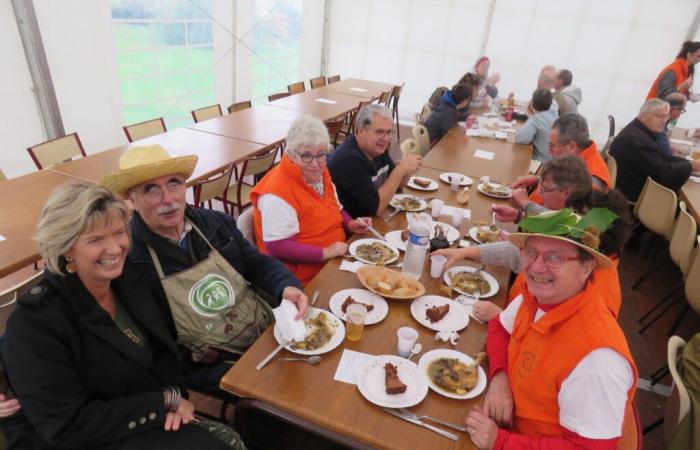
{"points": [[274, 97], [317, 82], [611, 131], [333, 79]]}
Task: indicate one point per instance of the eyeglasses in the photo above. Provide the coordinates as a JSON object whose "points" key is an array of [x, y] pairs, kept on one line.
{"points": [[153, 192], [544, 190], [308, 157], [384, 133], [553, 260]]}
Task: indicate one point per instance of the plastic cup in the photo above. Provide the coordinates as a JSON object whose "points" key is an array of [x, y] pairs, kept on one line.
{"points": [[455, 181], [436, 207], [457, 217], [355, 321], [407, 338], [437, 263]]}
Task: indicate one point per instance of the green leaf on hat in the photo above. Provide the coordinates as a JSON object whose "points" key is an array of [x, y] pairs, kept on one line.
{"points": [[599, 218], [553, 223]]}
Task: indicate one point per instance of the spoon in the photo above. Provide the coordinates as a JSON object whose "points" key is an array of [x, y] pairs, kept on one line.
{"points": [[310, 360], [415, 350]]}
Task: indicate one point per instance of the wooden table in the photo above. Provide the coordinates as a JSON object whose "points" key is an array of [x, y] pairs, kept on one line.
{"points": [[455, 153], [357, 87], [214, 152], [263, 124], [309, 397], [21, 201], [690, 194], [316, 102]]}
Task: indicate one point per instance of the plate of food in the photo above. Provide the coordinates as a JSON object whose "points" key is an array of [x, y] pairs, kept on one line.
{"points": [[392, 382], [439, 313], [483, 234], [422, 184], [408, 203], [466, 280], [390, 283], [493, 188], [324, 332], [453, 374], [373, 251], [447, 178], [398, 238], [377, 307]]}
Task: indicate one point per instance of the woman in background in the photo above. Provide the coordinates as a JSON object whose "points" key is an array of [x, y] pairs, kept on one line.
{"points": [[677, 76]]}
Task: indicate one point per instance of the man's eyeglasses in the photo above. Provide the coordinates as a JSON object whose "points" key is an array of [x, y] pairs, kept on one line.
{"points": [[553, 260], [384, 133], [308, 157]]}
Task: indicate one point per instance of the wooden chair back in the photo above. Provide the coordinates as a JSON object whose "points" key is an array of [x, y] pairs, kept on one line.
{"points": [[296, 88], [239, 191], [353, 120], [145, 129], [56, 151], [273, 97], [213, 188], [384, 98], [334, 126], [317, 82], [239, 106], [8, 297], [209, 112], [333, 79]]}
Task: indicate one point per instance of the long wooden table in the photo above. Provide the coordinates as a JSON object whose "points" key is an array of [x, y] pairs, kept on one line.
{"points": [[321, 103], [309, 396], [690, 191], [21, 201], [359, 88], [214, 151]]}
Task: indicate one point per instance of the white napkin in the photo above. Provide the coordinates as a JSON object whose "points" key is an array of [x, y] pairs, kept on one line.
{"points": [[351, 266], [695, 179], [291, 330], [449, 210], [500, 135], [484, 154], [474, 132], [503, 123]]}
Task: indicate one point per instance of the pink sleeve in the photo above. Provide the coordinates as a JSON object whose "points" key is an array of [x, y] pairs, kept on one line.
{"points": [[346, 218], [291, 250], [569, 441], [497, 346]]}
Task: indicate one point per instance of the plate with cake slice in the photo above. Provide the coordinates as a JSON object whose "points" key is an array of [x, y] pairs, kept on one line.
{"points": [[439, 313], [422, 184], [377, 307], [447, 178], [392, 382]]}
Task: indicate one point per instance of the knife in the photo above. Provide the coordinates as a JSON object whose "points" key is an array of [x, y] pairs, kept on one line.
{"points": [[391, 216], [376, 233], [270, 356], [314, 297], [437, 430]]}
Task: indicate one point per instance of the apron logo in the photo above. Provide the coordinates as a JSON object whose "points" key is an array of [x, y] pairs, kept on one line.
{"points": [[211, 295], [527, 364]]}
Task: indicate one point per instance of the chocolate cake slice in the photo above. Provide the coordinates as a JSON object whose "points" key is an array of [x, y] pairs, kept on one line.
{"points": [[436, 313], [391, 380], [349, 301], [422, 182]]}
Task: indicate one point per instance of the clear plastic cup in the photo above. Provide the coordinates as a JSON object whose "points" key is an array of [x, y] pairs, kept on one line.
{"points": [[457, 217], [407, 338], [355, 321], [437, 264], [436, 207], [455, 181]]}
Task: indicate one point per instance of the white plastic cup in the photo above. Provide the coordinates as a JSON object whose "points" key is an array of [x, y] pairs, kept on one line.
{"points": [[437, 264], [436, 207], [455, 182], [407, 338], [457, 217]]}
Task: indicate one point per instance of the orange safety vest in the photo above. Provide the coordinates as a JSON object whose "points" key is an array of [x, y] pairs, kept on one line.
{"points": [[595, 165], [320, 221], [679, 67], [542, 354], [605, 281]]}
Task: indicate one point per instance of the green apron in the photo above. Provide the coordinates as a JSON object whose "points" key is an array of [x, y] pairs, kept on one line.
{"points": [[213, 305]]}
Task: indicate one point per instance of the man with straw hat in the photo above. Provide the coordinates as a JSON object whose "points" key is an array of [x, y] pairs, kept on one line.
{"points": [[561, 373], [214, 288]]}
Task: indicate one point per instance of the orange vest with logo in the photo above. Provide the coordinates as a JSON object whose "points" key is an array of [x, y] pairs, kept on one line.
{"points": [[542, 354], [679, 67], [320, 221], [605, 281]]}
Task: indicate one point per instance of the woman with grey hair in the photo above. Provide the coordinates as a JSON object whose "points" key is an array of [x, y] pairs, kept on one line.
{"points": [[297, 215], [86, 352]]}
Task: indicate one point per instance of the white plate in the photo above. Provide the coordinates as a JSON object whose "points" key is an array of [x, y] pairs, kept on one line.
{"points": [[378, 313], [493, 284], [433, 355], [336, 339], [481, 189], [370, 382], [423, 203], [466, 181], [431, 187], [353, 250], [472, 233], [394, 237], [456, 318]]}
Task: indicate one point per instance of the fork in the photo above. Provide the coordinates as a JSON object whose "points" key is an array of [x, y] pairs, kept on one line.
{"points": [[415, 416], [391, 216]]}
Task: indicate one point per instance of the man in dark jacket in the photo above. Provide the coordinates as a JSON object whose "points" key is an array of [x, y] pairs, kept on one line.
{"points": [[639, 156], [445, 114], [213, 287]]}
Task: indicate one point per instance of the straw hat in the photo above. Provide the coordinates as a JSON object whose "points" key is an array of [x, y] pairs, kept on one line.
{"points": [[140, 164], [563, 225]]}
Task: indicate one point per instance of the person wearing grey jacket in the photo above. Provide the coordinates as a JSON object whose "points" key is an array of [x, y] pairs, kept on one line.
{"points": [[567, 96], [536, 129]]}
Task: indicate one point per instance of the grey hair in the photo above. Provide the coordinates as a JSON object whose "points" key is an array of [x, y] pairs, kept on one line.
{"points": [[676, 100], [573, 127], [366, 115], [69, 211], [307, 131], [650, 105]]}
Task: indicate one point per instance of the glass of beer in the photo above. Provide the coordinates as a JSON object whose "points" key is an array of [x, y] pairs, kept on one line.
{"points": [[355, 321]]}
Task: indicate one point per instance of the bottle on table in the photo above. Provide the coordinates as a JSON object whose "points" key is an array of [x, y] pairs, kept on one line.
{"points": [[416, 246]]}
